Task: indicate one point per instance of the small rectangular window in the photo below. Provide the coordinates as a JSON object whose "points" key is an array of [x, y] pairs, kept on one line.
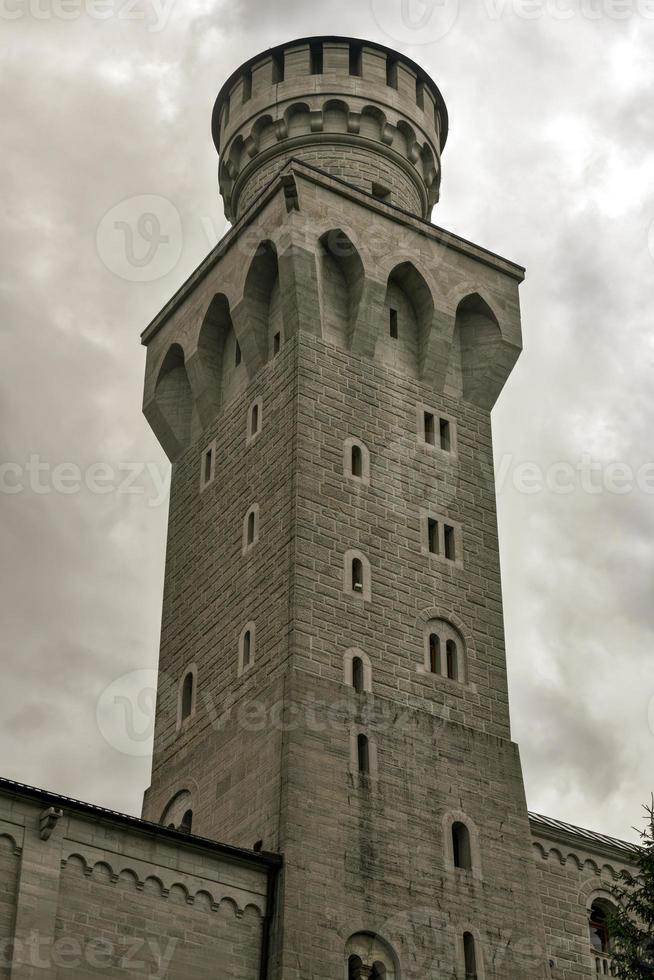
{"points": [[391, 71], [278, 67], [430, 429], [277, 341], [450, 543], [393, 324], [316, 59], [432, 535], [355, 60], [446, 440], [420, 93], [237, 354], [208, 465], [247, 86]]}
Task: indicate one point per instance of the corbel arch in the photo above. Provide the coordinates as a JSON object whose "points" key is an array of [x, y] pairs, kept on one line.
{"points": [[170, 410]]}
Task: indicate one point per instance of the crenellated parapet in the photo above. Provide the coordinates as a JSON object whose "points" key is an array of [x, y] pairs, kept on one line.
{"points": [[357, 110]]}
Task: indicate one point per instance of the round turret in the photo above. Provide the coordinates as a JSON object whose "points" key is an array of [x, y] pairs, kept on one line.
{"points": [[355, 109]]}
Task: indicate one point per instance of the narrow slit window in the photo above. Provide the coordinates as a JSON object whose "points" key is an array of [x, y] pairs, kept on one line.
{"points": [[254, 420], [461, 846], [450, 543], [357, 674], [187, 822], [432, 535], [278, 67], [445, 434], [435, 653], [470, 956], [237, 354], [393, 324], [355, 60], [430, 429], [357, 575], [391, 71], [208, 465], [363, 754], [252, 524], [452, 660], [247, 648], [187, 696], [316, 59], [277, 343], [247, 86], [357, 462]]}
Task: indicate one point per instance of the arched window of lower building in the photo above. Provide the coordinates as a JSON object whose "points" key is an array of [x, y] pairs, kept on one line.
{"points": [[461, 851], [598, 926], [470, 956], [176, 812]]}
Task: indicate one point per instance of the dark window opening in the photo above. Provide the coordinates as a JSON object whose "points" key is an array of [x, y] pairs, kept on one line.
{"points": [[187, 696], [446, 439], [357, 461], [598, 929], [430, 429], [432, 535], [393, 324], [461, 846], [378, 971], [356, 52], [316, 59], [435, 653], [357, 675], [278, 67], [187, 822], [247, 86], [355, 968], [357, 575], [208, 461], [391, 71], [277, 343], [452, 660], [420, 94], [470, 956], [450, 544], [247, 648], [252, 521], [237, 354], [363, 754], [254, 418]]}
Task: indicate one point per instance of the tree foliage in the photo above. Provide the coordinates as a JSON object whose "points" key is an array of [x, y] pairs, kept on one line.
{"points": [[631, 921]]}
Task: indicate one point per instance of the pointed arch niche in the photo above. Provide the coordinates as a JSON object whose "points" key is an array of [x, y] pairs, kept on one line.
{"points": [[341, 279], [409, 309]]}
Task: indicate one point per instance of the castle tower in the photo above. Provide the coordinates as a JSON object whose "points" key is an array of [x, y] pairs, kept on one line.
{"points": [[332, 666]]}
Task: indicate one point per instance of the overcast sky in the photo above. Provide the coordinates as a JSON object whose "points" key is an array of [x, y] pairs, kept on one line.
{"points": [[550, 162]]}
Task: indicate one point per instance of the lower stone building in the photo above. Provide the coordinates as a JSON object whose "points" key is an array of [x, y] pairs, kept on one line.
{"points": [[333, 700]]}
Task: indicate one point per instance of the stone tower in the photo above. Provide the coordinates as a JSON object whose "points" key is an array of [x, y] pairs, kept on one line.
{"points": [[332, 666]]}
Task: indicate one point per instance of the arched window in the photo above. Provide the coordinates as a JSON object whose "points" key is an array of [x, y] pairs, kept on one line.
{"points": [[187, 822], [598, 927], [251, 528], [255, 419], [434, 653], [378, 971], [355, 968], [369, 957], [187, 695], [357, 674], [470, 956], [357, 575], [363, 754], [246, 648], [357, 461], [176, 811], [461, 852], [452, 660]]}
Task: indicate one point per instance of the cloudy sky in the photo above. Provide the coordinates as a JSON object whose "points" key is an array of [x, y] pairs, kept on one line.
{"points": [[550, 162]]}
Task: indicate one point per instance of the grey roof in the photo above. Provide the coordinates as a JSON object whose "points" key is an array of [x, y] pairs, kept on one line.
{"points": [[558, 828]]}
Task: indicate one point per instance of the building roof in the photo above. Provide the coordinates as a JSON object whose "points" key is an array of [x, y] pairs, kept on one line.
{"points": [[264, 859], [557, 828]]}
